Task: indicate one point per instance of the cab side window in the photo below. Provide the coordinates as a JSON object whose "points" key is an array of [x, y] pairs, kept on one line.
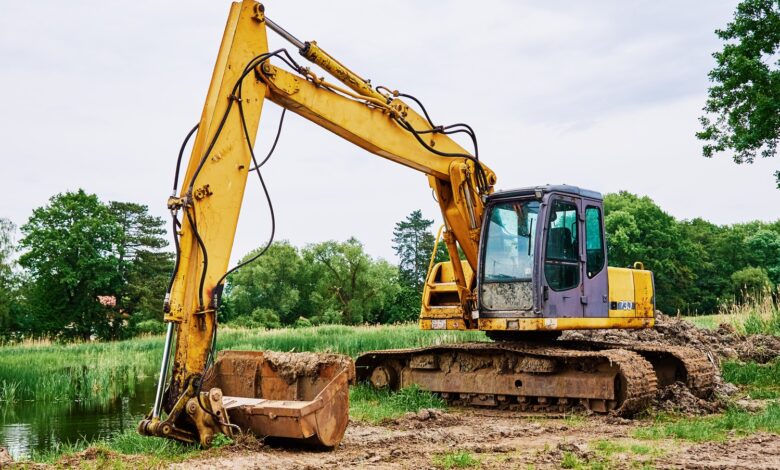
{"points": [[561, 261], [594, 241]]}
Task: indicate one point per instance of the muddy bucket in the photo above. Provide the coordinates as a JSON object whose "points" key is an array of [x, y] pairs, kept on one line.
{"points": [[301, 396]]}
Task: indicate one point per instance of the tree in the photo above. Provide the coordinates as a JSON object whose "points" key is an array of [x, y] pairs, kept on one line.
{"points": [[750, 283], [350, 287], [71, 247], [743, 106], [763, 248], [413, 243], [638, 230], [143, 265], [7, 281], [716, 254], [271, 291]]}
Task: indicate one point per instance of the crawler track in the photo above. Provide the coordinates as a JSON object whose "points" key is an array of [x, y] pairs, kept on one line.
{"points": [[524, 376], [544, 376], [672, 364]]}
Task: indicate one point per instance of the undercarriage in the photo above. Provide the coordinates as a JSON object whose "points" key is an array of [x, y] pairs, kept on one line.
{"points": [[542, 376]]}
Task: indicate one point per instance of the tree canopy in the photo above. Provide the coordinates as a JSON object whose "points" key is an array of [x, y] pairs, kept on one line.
{"points": [[694, 262], [743, 105], [70, 247], [95, 269], [327, 282]]}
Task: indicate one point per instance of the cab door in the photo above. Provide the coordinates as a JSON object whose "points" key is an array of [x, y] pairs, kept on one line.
{"points": [[562, 270], [595, 298]]}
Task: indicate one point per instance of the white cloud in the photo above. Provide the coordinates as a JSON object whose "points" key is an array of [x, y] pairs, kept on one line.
{"points": [[600, 94]]}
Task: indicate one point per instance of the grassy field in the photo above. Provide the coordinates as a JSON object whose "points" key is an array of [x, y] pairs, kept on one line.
{"points": [[750, 318], [97, 373]]}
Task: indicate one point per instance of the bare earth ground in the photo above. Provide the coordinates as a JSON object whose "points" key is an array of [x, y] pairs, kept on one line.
{"points": [[506, 439], [499, 439]]}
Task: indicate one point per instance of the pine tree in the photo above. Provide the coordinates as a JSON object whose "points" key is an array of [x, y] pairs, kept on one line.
{"points": [[144, 266], [413, 243]]}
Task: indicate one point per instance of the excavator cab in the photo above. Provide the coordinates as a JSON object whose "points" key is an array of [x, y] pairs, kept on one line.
{"points": [[542, 269], [563, 276]]}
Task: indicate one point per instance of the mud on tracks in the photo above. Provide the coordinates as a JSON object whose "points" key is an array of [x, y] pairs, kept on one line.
{"points": [[722, 343]]}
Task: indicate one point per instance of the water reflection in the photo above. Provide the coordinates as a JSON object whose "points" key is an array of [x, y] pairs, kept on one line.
{"points": [[29, 427]]}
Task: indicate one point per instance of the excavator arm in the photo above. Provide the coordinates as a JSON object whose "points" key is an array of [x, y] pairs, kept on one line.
{"points": [[206, 207]]}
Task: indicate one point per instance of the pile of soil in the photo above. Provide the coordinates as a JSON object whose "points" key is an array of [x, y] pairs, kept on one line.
{"points": [[425, 418], [290, 366], [679, 399], [723, 343], [5, 457]]}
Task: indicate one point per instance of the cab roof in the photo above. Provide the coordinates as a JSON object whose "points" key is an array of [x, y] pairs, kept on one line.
{"points": [[547, 188]]}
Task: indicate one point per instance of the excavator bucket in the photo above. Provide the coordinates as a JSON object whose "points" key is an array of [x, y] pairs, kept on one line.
{"points": [[302, 396]]}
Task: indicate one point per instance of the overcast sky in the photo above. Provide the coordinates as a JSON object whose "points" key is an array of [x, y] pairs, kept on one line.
{"points": [[604, 95]]}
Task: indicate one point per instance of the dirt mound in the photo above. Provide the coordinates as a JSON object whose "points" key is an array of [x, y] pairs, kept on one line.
{"points": [[678, 398], [425, 418], [723, 343], [290, 366], [5, 457], [554, 458]]}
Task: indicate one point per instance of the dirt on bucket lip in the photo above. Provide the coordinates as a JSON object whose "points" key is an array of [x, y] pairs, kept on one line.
{"points": [[722, 343], [291, 366]]}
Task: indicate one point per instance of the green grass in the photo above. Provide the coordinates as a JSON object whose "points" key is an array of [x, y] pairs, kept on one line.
{"points": [[760, 381], [97, 373], [457, 459], [757, 317], [714, 427], [608, 448], [153, 451], [374, 406]]}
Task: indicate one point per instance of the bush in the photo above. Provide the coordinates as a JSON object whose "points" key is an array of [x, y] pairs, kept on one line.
{"points": [[259, 318], [751, 283], [150, 327]]}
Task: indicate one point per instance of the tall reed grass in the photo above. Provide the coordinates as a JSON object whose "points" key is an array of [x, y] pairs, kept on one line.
{"points": [[757, 316], [96, 373]]}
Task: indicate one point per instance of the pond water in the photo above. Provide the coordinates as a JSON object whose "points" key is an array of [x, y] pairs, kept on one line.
{"points": [[30, 427]]}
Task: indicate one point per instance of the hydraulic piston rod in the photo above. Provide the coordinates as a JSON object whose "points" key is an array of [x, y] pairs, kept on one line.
{"points": [[312, 52], [163, 372], [283, 33]]}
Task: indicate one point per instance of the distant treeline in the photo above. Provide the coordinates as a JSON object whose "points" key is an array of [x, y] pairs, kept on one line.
{"points": [[698, 266], [85, 269]]}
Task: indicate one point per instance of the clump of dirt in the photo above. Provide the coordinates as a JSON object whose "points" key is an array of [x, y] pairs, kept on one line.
{"points": [[5, 457], [291, 366], [425, 418], [723, 343], [557, 455], [678, 398], [759, 451], [89, 454], [246, 442]]}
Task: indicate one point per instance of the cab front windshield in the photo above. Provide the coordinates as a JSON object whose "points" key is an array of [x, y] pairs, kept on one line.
{"points": [[511, 240]]}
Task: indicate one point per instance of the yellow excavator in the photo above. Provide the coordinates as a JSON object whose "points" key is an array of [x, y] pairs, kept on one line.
{"points": [[534, 264]]}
